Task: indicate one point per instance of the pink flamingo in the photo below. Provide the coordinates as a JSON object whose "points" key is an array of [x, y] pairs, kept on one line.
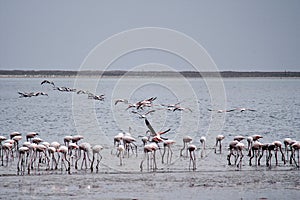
{"points": [[96, 151], [219, 139], [192, 148], [168, 144], [151, 160], [186, 140]]}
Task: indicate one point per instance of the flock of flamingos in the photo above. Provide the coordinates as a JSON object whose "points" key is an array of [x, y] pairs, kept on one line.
{"points": [[35, 154]]}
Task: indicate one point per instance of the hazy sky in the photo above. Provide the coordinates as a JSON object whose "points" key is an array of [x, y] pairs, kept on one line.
{"points": [[241, 35]]}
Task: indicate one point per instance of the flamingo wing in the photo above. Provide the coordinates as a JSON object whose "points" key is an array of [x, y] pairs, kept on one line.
{"points": [[150, 127]]}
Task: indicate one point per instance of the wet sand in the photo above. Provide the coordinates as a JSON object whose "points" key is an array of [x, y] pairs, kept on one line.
{"points": [[213, 179]]}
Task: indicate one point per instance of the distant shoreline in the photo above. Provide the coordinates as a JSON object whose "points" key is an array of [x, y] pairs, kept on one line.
{"points": [[120, 73]]}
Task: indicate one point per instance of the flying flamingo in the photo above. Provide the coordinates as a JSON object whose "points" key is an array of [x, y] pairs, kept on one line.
{"points": [[192, 148], [143, 116], [219, 139], [96, 151], [156, 136]]}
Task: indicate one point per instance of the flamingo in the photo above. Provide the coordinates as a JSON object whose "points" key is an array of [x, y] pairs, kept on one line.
{"points": [[239, 147], [179, 108], [67, 140], [13, 134], [220, 111], [296, 148], [186, 140], [121, 101], [128, 142], [168, 144], [64, 151], [21, 162], [2, 138], [203, 143], [287, 146], [256, 147], [151, 160], [48, 82], [232, 148], [85, 147], [31, 135], [76, 138], [96, 151], [278, 145], [51, 152], [250, 141], [143, 116], [156, 136], [120, 152], [192, 148], [219, 139], [264, 148], [7, 148]]}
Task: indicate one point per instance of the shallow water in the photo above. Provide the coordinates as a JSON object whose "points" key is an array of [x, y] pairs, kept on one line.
{"points": [[277, 115]]}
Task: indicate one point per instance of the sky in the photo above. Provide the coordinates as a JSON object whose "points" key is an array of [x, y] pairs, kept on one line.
{"points": [[254, 35]]}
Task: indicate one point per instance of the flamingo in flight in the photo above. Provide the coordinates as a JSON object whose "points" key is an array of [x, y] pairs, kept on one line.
{"points": [[143, 116]]}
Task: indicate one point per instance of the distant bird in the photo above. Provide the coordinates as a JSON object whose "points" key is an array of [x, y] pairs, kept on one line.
{"points": [[244, 109], [48, 82], [121, 101], [181, 109], [170, 105], [219, 139], [220, 111], [26, 94], [32, 94], [82, 92], [143, 116]]}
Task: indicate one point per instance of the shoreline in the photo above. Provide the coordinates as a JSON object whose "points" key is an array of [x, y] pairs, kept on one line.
{"points": [[139, 74]]}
